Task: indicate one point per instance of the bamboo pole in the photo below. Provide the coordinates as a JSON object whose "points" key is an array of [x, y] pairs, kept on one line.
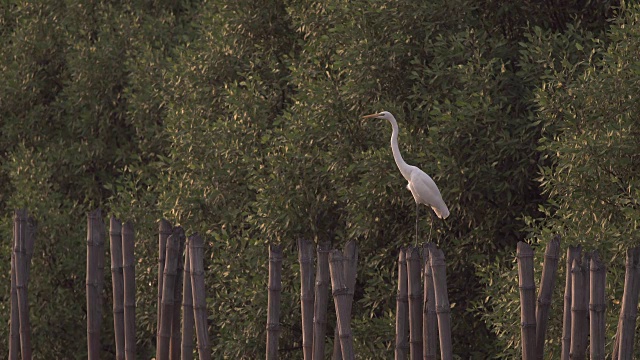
{"points": [[174, 344], [597, 281], [14, 322], [340, 292], [20, 255], [187, 308], [321, 301], [578, 312], [629, 310], [547, 283], [273, 310], [196, 257], [117, 284], [350, 269], [429, 318], [168, 284], [164, 230], [573, 252], [129, 277], [402, 311], [415, 304], [527, 300], [95, 251], [305, 259], [443, 308]]}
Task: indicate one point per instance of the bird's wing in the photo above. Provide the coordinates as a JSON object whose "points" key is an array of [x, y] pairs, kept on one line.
{"points": [[426, 190]]}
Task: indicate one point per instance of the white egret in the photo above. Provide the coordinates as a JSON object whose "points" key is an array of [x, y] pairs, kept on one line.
{"points": [[421, 185]]}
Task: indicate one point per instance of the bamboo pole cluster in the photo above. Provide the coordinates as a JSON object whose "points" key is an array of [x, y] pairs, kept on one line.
{"points": [[24, 230]]}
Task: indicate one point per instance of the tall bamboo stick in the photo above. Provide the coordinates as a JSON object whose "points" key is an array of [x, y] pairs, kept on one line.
{"points": [[629, 310], [578, 312], [187, 308], [273, 306], [174, 344], [14, 329], [117, 282], [196, 257], [402, 309], [129, 277], [168, 284], [597, 307], [527, 300], [415, 303], [350, 269], [95, 251], [305, 259], [321, 301], [164, 230], [547, 283], [429, 317], [573, 252], [443, 308], [340, 292], [20, 255]]}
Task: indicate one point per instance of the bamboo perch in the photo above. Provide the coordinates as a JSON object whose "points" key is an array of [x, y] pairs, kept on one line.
{"points": [[117, 282], [443, 308], [340, 297], [196, 257], [578, 312], [273, 306], [168, 284], [429, 317], [305, 259], [95, 267], [164, 230], [597, 307], [321, 301], [174, 344], [129, 277], [415, 303], [14, 329], [629, 310], [402, 305], [527, 300], [547, 283], [573, 252], [187, 309], [350, 269]]}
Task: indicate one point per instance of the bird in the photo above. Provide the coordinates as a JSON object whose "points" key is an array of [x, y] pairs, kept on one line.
{"points": [[422, 187]]}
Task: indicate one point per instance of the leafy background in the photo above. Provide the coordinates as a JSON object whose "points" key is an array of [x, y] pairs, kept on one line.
{"points": [[241, 121]]}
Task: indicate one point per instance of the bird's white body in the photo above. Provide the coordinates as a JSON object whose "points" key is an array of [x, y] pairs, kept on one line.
{"points": [[422, 187]]}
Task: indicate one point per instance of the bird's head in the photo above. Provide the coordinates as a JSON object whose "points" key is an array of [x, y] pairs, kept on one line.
{"points": [[381, 115]]}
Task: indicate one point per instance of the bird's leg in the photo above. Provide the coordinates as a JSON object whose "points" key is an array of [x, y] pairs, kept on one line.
{"points": [[417, 223]]}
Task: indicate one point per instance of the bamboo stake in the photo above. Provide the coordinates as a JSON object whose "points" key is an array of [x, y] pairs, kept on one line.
{"points": [[547, 283], [321, 301], [443, 308], [129, 277], [527, 300], [273, 306], [164, 230], [305, 259], [350, 269], [95, 267], [187, 309], [168, 284], [429, 318], [578, 310], [415, 303], [14, 329], [196, 257], [340, 292], [20, 255], [174, 344], [117, 282], [402, 304], [629, 310], [597, 307], [573, 252]]}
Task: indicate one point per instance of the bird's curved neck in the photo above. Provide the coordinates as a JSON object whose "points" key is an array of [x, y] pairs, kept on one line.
{"points": [[403, 166]]}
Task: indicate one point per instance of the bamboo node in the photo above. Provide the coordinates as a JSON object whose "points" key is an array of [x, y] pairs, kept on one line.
{"points": [[442, 309], [273, 326], [275, 287], [544, 301], [321, 322], [415, 296], [342, 291], [527, 287], [402, 297], [531, 325], [597, 307]]}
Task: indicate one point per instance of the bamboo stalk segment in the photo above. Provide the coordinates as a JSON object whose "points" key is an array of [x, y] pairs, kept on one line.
{"points": [[273, 306], [547, 283], [629, 310], [527, 300], [168, 284], [321, 300], [573, 252], [578, 311], [429, 317], [14, 321], [95, 268], [174, 344], [129, 277], [164, 230], [415, 303], [117, 284], [597, 308], [187, 309], [305, 259], [402, 309], [340, 292], [196, 257], [443, 308], [350, 269]]}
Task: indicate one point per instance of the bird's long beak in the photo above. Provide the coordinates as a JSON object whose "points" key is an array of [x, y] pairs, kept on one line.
{"points": [[371, 116]]}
